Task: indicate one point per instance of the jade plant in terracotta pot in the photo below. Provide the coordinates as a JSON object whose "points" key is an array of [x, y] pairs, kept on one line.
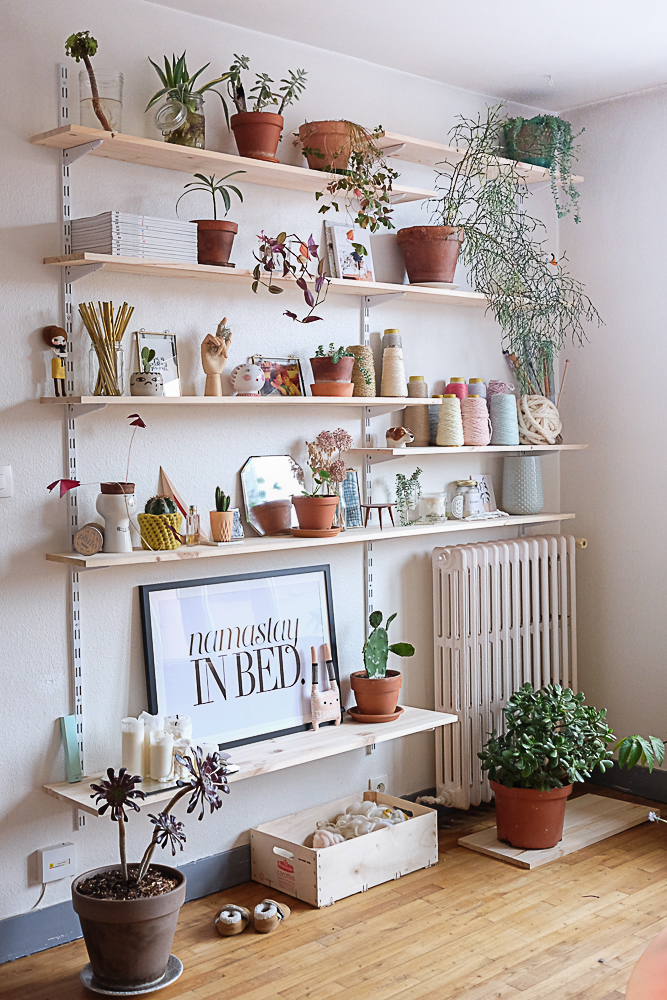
{"points": [[376, 688], [257, 131], [214, 236]]}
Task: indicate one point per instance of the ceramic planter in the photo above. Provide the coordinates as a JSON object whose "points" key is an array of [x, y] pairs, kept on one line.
{"points": [[523, 492], [257, 134], [528, 818], [274, 517], [376, 695], [315, 513], [156, 533], [115, 503], [214, 240], [222, 525], [324, 370], [129, 940], [332, 388], [146, 384], [430, 252], [331, 138]]}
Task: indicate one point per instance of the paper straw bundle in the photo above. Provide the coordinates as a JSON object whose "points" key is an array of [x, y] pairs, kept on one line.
{"points": [[106, 330]]}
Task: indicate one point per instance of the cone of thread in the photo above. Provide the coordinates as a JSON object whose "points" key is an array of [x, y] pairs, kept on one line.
{"points": [[504, 421], [450, 424], [416, 418], [475, 419], [393, 373], [363, 371]]}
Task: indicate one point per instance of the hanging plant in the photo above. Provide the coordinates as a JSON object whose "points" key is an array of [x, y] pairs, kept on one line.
{"points": [[547, 141], [276, 254]]}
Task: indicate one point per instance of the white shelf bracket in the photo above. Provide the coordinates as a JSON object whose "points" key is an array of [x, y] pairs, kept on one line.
{"points": [[72, 274], [81, 409], [393, 150], [378, 300], [76, 152]]}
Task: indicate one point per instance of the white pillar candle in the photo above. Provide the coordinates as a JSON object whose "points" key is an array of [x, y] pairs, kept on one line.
{"points": [[207, 748], [132, 752], [162, 752], [150, 722], [181, 747], [180, 726]]}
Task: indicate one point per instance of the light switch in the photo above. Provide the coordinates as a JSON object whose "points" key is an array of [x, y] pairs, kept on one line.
{"points": [[6, 481]]}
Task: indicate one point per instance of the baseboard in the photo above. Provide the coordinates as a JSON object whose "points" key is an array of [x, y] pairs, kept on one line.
{"points": [[38, 930], [638, 781]]}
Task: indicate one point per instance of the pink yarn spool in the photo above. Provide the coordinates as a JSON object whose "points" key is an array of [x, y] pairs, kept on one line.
{"points": [[476, 423], [458, 388], [495, 386]]}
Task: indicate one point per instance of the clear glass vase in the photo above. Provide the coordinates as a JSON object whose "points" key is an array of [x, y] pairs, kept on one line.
{"points": [[182, 122], [104, 384], [110, 89]]}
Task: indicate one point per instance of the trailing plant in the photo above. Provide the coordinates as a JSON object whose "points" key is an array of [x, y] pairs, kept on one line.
{"points": [[334, 353], [550, 143], [147, 356], [408, 491], [325, 454], [81, 46], [262, 93], [376, 648], [177, 84], [222, 501], [276, 254], [65, 485], [214, 186]]}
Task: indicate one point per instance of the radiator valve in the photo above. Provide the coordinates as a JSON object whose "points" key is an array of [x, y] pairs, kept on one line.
{"points": [[581, 543]]}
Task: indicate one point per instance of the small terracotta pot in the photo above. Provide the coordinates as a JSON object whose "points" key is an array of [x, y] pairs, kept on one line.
{"points": [[430, 252], [324, 370], [274, 517], [257, 134], [222, 524], [376, 695], [214, 240], [331, 138], [315, 513], [332, 388], [528, 818]]}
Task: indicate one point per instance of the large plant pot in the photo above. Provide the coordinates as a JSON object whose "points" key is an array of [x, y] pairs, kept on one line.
{"points": [[376, 695], [274, 517], [529, 144], [430, 252], [215, 238], [129, 940], [222, 525], [315, 513], [257, 134], [332, 388], [324, 370], [528, 818], [332, 139]]}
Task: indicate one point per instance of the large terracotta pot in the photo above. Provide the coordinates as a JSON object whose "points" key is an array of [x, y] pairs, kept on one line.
{"points": [[528, 818], [257, 134], [129, 940], [315, 513], [430, 252], [331, 138], [324, 370], [376, 695], [274, 517], [222, 525], [215, 238], [332, 388]]}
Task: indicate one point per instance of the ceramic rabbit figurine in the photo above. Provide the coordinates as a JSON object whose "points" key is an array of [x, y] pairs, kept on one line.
{"points": [[324, 705]]}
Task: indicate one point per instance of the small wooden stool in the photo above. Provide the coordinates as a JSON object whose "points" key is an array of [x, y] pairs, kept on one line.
{"points": [[379, 507]]}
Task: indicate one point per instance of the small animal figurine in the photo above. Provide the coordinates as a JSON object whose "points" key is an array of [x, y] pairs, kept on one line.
{"points": [[214, 353], [324, 705], [56, 337], [247, 380], [399, 437]]}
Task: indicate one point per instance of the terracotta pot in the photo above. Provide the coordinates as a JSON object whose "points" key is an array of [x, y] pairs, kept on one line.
{"points": [[324, 370], [257, 134], [274, 517], [315, 513], [528, 818], [222, 523], [330, 138], [214, 240], [376, 695], [430, 252], [332, 388], [117, 489], [129, 940]]}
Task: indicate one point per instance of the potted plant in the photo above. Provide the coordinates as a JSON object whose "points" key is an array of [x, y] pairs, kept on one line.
{"points": [[222, 518], [214, 236], [332, 371], [160, 524], [546, 141], [128, 912], [316, 511], [295, 258], [408, 492], [81, 46], [376, 688], [145, 382], [325, 453], [258, 132], [181, 118]]}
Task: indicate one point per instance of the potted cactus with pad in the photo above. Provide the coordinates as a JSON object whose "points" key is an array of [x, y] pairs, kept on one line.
{"points": [[146, 382], [160, 524], [376, 688], [222, 518]]}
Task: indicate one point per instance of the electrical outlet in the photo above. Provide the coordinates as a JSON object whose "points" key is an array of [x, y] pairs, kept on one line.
{"points": [[56, 862], [379, 783]]}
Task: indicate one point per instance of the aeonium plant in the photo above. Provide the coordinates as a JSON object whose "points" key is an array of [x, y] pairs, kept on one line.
{"points": [[81, 46]]}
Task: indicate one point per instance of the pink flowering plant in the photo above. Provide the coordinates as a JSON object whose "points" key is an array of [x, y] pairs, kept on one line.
{"points": [[325, 458]]}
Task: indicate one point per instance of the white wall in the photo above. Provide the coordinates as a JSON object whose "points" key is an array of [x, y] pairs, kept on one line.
{"points": [[199, 450]]}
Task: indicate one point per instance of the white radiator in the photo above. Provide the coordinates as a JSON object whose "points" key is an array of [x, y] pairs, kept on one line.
{"points": [[504, 614]]}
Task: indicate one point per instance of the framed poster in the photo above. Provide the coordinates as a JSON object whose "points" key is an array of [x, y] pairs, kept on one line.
{"points": [[282, 376], [233, 652], [166, 358]]}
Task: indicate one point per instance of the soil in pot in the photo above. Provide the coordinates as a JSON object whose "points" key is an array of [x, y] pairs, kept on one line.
{"points": [[376, 695], [315, 513], [215, 238], [430, 252], [331, 140], [529, 818], [324, 369], [257, 134], [274, 517], [332, 388]]}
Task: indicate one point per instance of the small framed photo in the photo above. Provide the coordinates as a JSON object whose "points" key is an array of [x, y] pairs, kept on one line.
{"points": [[166, 358], [351, 500], [282, 376]]}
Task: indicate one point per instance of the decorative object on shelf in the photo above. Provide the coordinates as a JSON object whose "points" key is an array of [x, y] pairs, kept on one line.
{"points": [[253, 685], [265, 479], [324, 705], [391, 338], [192, 536], [522, 485], [399, 437], [433, 419], [450, 422], [349, 252], [162, 754], [417, 387], [214, 354], [109, 95], [393, 373], [180, 117], [145, 382], [116, 503], [317, 513], [70, 739], [547, 141], [282, 376], [486, 492], [418, 416], [276, 254], [180, 727], [89, 539], [326, 462], [408, 492], [132, 744], [81, 46], [332, 371], [475, 420], [363, 370], [432, 508], [160, 524], [368, 508], [539, 421], [150, 722], [106, 354], [258, 132], [457, 387], [466, 501], [222, 518], [56, 338], [477, 387], [326, 145], [166, 358], [377, 688], [215, 236], [247, 380], [430, 252], [350, 500], [504, 422]]}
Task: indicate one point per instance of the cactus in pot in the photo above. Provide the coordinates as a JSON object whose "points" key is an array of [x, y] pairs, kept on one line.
{"points": [[377, 688], [160, 505], [222, 518], [160, 524]]}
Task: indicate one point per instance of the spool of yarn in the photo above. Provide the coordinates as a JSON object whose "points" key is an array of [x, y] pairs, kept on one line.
{"points": [[476, 424], [391, 338], [416, 418], [504, 423], [363, 356], [417, 387], [495, 386], [450, 424], [457, 387], [433, 418], [393, 373], [477, 387], [539, 421]]}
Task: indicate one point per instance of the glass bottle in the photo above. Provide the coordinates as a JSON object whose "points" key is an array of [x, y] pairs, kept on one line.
{"points": [[182, 121], [105, 387], [192, 527], [110, 90]]}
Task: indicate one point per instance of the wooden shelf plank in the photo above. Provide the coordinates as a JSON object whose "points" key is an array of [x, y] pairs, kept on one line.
{"points": [[168, 156], [282, 543], [276, 755], [379, 404], [390, 454], [206, 272]]}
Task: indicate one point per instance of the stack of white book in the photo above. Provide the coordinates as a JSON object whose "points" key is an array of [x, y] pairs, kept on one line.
{"points": [[125, 235]]}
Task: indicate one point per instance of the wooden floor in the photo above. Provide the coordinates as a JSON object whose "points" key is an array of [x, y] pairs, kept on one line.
{"points": [[472, 928]]}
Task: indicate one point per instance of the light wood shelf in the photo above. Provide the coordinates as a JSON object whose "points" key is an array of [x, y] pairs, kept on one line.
{"points": [[266, 756], [390, 454], [283, 543], [378, 404]]}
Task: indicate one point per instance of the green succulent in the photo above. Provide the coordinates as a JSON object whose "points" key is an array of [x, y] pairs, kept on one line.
{"points": [[177, 83], [222, 501], [160, 505], [214, 186], [376, 648], [147, 355], [334, 353]]}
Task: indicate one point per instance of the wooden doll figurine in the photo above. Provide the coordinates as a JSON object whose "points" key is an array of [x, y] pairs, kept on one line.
{"points": [[324, 705], [56, 337], [214, 352]]}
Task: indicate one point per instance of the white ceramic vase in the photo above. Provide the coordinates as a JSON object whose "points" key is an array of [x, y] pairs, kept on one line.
{"points": [[146, 384], [522, 485], [116, 507]]}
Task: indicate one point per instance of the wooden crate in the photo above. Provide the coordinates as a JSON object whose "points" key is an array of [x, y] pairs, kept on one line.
{"points": [[282, 858]]}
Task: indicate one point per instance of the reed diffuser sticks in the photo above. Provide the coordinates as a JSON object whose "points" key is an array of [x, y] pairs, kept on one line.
{"points": [[106, 332]]}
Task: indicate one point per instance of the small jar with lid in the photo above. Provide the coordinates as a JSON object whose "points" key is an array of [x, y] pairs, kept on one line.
{"points": [[477, 387], [433, 507], [466, 500]]}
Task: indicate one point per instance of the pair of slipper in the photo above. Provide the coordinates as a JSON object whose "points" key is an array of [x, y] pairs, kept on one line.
{"points": [[267, 915]]}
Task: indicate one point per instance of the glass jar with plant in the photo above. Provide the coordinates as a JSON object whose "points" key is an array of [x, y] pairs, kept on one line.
{"points": [[408, 492], [101, 95], [332, 371], [258, 131], [215, 236], [292, 257], [547, 141], [376, 688], [180, 117]]}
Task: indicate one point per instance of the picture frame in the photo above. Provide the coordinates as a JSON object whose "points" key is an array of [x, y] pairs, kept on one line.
{"points": [[282, 376], [256, 683], [351, 499], [166, 358]]}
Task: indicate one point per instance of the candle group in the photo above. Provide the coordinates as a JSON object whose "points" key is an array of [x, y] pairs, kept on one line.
{"points": [[132, 750], [162, 754]]}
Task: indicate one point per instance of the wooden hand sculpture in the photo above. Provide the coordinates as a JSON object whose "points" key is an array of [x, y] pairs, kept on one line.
{"points": [[214, 352]]}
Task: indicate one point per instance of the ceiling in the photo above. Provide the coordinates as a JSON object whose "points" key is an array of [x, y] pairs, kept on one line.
{"points": [[591, 49]]}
